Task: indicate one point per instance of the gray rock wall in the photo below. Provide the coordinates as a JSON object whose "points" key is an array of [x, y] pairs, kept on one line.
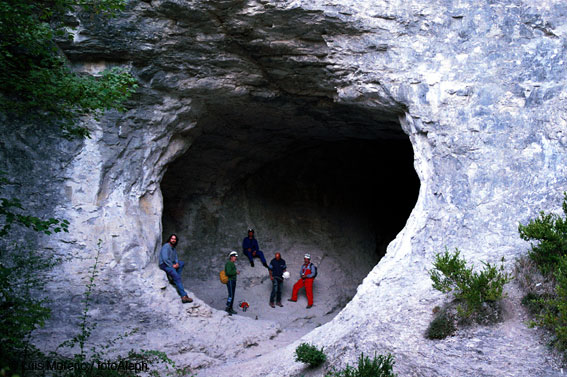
{"points": [[478, 87]]}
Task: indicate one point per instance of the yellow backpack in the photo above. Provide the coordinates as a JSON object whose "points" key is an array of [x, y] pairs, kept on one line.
{"points": [[223, 277]]}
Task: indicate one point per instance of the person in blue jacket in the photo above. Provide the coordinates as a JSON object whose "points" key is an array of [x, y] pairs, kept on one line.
{"points": [[277, 268], [251, 249], [173, 267]]}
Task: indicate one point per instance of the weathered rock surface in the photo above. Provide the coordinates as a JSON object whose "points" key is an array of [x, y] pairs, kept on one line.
{"points": [[478, 88]]}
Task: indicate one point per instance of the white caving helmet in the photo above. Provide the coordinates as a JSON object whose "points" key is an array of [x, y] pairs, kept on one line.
{"points": [[286, 275], [307, 255], [233, 253]]}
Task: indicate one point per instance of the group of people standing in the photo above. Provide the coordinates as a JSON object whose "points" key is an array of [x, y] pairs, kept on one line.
{"points": [[277, 268], [169, 262]]}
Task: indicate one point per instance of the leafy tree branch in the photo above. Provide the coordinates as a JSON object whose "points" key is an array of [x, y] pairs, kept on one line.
{"points": [[36, 80]]}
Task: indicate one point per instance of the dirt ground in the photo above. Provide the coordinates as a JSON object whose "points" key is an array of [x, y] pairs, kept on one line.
{"points": [[332, 290]]}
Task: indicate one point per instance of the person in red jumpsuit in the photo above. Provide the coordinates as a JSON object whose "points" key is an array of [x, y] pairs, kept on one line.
{"points": [[308, 273]]}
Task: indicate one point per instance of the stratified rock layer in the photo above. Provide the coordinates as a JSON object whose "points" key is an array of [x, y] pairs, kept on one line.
{"points": [[477, 87]]}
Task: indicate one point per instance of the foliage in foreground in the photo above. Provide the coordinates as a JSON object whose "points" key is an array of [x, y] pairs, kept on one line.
{"points": [[471, 288], [550, 309], [22, 308], [379, 366], [549, 253], [12, 212], [550, 232], [37, 83], [309, 354]]}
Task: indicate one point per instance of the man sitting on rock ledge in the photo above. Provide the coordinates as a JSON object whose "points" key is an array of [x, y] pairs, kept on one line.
{"points": [[173, 267], [252, 250]]}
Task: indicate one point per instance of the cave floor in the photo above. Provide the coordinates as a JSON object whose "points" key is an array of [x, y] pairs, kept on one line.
{"points": [[254, 287]]}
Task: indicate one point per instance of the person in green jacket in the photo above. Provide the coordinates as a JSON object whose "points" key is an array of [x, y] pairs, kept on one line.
{"points": [[231, 272]]}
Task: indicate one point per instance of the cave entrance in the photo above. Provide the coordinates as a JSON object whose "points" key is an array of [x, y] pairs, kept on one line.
{"points": [[339, 187]]}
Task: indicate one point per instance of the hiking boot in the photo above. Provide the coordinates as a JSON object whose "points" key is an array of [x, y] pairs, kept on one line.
{"points": [[289, 299], [272, 305], [251, 264], [186, 299], [231, 311], [308, 306], [170, 280], [265, 265], [279, 304]]}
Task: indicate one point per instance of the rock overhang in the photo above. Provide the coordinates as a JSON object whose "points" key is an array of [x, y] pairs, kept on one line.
{"points": [[242, 134]]}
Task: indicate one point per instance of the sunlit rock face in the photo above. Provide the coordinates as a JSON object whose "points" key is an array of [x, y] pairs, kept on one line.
{"points": [[249, 112]]}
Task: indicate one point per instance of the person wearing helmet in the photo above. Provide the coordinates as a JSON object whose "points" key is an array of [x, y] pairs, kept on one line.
{"points": [[231, 271], [173, 267], [277, 267], [308, 272], [252, 250]]}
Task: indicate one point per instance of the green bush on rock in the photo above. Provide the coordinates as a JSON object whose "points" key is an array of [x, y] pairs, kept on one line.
{"points": [[549, 254], [550, 232], [550, 309], [473, 289], [379, 366], [309, 354]]}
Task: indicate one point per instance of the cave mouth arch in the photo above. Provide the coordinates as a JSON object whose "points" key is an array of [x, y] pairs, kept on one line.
{"points": [[335, 181]]}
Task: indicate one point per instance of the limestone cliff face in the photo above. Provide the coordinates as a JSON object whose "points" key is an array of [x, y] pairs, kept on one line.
{"points": [[229, 87]]}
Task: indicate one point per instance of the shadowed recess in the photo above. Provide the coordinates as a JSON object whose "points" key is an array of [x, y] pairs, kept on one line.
{"points": [[309, 176]]}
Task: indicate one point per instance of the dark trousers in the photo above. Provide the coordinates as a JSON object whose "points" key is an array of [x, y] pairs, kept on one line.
{"points": [[175, 275], [231, 286], [277, 285], [259, 254]]}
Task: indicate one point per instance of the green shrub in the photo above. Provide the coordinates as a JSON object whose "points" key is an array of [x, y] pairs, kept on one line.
{"points": [[309, 354], [442, 326], [559, 322], [379, 366], [550, 232], [549, 253], [451, 274], [536, 303], [551, 310]]}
